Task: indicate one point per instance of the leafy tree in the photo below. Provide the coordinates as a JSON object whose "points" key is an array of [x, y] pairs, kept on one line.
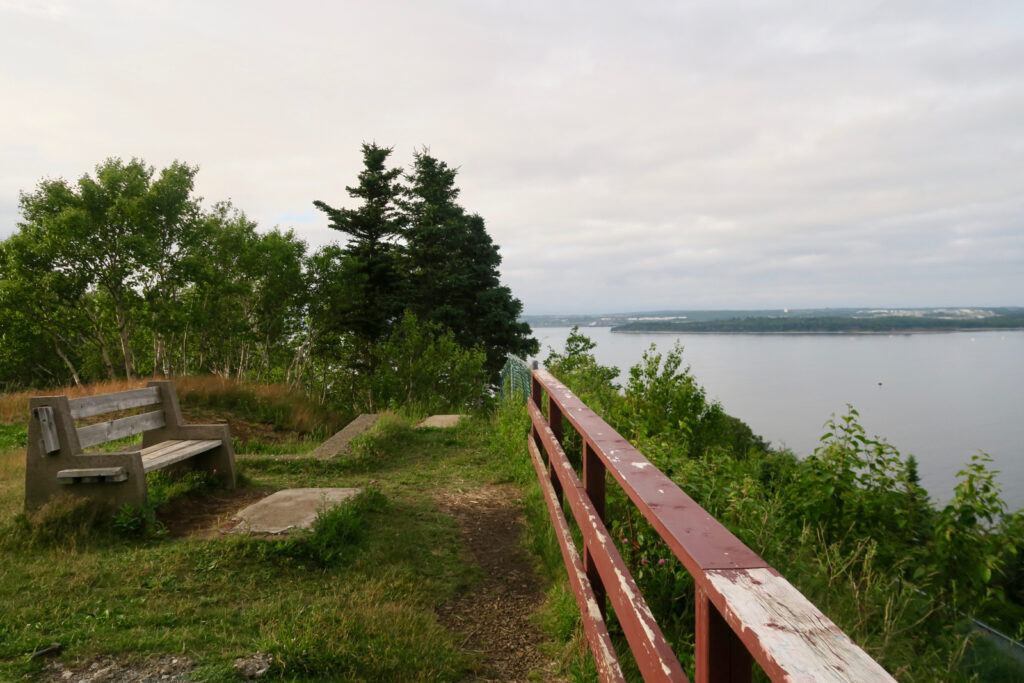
{"points": [[115, 230], [124, 273], [40, 310], [367, 269], [245, 297]]}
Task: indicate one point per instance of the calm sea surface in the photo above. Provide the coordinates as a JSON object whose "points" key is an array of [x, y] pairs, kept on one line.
{"points": [[938, 396]]}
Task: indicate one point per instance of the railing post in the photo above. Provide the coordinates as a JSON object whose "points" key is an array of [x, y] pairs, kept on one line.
{"points": [[594, 483], [555, 422], [721, 656]]}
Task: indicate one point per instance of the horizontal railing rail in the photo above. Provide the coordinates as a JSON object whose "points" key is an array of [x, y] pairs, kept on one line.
{"points": [[745, 610]]}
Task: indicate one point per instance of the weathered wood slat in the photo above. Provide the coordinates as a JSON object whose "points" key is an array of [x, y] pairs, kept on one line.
{"points": [[162, 447], [797, 641], [91, 475], [87, 406], [182, 450], [119, 428], [47, 429]]}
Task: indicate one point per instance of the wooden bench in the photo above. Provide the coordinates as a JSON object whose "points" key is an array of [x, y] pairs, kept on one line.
{"points": [[55, 462]]}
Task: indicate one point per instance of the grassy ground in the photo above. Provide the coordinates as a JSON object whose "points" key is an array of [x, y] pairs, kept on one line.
{"points": [[356, 600]]}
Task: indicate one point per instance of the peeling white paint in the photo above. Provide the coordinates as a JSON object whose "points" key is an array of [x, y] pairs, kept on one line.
{"points": [[640, 465], [791, 631]]}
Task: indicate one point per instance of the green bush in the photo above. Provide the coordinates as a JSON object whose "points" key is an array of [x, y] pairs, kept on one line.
{"points": [[421, 365], [12, 436], [418, 368]]}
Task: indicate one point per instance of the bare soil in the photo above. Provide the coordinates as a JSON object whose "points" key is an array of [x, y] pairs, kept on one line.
{"points": [[243, 430], [493, 615], [109, 670], [205, 514]]}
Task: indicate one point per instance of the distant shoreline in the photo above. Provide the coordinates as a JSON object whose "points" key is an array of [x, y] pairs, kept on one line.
{"points": [[813, 333]]}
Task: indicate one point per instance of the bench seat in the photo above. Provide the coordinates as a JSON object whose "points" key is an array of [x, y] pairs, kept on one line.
{"points": [[167, 453]]}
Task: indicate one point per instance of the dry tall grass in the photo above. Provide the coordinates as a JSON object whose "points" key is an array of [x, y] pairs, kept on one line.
{"points": [[287, 407], [12, 482], [14, 406]]}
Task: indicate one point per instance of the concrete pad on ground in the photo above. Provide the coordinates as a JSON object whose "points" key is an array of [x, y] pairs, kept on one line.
{"points": [[440, 421], [338, 443], [288, 510]]}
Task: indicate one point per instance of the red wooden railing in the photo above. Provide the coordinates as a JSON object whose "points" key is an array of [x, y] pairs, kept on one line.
{"points": [[746, 611]]}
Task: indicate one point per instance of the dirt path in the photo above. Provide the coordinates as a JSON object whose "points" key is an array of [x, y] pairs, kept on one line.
{"points": [[493, 616]]}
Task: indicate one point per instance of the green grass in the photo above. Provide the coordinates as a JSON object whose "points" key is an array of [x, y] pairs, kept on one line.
{"points": [[12, 436], [353, 599], [289, 447]]}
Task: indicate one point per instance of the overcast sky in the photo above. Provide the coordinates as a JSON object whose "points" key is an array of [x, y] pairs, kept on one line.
{"points": [[626, 156]]}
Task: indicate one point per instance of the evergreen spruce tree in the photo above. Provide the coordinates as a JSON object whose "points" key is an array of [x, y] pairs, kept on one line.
{"points": [[364, 292], [453, 267]]}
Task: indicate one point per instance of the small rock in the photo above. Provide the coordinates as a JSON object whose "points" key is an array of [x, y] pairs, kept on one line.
{"points": [[440, 421], [253, 666]]}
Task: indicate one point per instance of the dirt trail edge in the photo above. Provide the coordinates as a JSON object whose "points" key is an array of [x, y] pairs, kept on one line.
{"points": [[493, 615]]}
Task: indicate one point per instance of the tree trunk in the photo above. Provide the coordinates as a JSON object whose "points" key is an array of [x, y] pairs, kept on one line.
{"points": [[125, 337], [67, 361], [156, 352]]}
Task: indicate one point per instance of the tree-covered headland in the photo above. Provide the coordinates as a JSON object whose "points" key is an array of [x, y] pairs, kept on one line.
{"points": [[125, 273]]}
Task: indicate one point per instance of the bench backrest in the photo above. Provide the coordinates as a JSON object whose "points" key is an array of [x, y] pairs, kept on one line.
{"points": [[109, 430], [101, 432]]}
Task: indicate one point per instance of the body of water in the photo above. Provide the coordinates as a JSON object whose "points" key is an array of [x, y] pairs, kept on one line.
{"points": [[941, 397]]}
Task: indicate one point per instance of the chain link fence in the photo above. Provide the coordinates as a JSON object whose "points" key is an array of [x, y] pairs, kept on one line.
{"points": [[515, 378]]}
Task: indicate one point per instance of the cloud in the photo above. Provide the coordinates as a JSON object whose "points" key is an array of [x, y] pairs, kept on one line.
{"points": [[660, 155]]}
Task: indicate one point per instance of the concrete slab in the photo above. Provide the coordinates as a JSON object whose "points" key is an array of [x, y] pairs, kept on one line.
{"points": [[440, 421], [287, 510], [338, 443]]}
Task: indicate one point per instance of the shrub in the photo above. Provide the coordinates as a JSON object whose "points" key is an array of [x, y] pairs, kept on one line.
{"points": [[966, 544], [418, 367], [421, 365]]}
